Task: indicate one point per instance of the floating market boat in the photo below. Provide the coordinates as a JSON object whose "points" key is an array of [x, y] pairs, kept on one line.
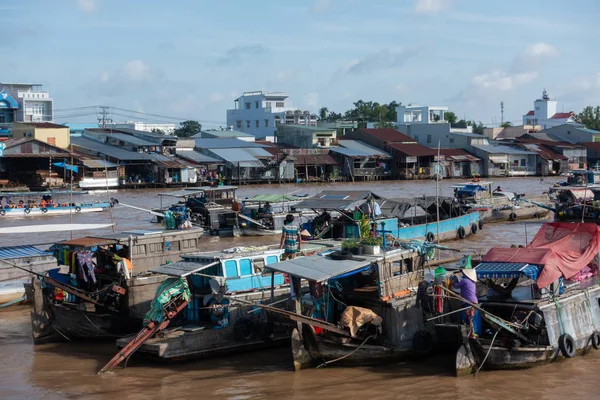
{"points": [[93, 293], [35, 204], [541, 303]]}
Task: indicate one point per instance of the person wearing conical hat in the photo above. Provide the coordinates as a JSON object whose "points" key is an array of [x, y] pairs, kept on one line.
{"points": [[468, 291]]}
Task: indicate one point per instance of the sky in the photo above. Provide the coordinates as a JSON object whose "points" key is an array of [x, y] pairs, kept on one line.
{"points": [[190, 59]]}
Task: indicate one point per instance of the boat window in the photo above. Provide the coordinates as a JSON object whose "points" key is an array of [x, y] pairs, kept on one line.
{"points": [[245, 267], [397, 268], [139, 249], [175, 245], [259, 265], [272, 259], [231, 269]]}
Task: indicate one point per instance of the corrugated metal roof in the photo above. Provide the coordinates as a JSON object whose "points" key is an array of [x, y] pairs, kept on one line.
{"points": [[221, 134], [112, 151], [499, 149], [545, 152], [388, 135], [258, 152], [87, 242], [458, 155], [132, 139], [314, 159], [10, 252], [210, 143], [413, 149], [197, 157], [93, 163], [361, 147], [238, 157], [171, 162]]}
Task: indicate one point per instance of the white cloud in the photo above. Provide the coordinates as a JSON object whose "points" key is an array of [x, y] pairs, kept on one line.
{"points": [[541, 49], [321, 6], [137, 71], [401, 88], [502, 81], [598, 80], [87, 6], [431, 6], [311, 101], [131, 76], [384, 59]]}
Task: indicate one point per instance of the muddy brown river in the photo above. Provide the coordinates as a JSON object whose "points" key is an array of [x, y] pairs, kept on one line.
{"points": [[68, 370]]}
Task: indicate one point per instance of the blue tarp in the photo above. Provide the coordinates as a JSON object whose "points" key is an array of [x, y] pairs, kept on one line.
{"points": [[507, 270], [470, 190], [70, 167]]}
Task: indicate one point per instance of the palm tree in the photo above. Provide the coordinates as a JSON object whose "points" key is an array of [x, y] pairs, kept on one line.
{"points": [[323, 113]]}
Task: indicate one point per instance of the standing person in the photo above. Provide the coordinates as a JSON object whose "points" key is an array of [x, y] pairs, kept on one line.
{"points": [[468, 291], [290, 238]]}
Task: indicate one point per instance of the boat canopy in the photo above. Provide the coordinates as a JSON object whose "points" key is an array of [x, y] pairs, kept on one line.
{"points": [[495, 270], [40, 194], [197, 191], [91, 163], [10, 252], [337, 200], [183, 268], [471, 190], [560, 248], [51, 228]]}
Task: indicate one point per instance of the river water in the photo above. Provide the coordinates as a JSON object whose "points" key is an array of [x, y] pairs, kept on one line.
{"points": [[68, 370]]}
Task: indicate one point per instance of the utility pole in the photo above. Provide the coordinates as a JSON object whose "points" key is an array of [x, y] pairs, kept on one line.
{"points": [[501, 113], [104, 116]]}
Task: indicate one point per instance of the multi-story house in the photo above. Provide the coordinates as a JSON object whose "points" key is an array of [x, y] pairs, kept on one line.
{"points": [[33, 103]]}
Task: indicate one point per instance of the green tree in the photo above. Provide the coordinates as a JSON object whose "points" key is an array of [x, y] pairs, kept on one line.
{"points": [[323, 112], [159, 131], [590, 117], [188, 129], [385, 124], [506, 124], [450, 117], [477, 127]]}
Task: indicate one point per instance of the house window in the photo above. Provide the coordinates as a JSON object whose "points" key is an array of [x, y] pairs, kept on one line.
{"points": [[516, 163], [52, 141], [523, 162], [428, 138], [238, 124], [451, 140], [266, 123], [268, 104], [257, 124], [247, 123], [256, 104], [279, 104], [247, 106]]}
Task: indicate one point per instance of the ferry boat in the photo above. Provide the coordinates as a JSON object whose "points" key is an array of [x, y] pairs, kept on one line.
{"points": [[35, 204], [73, 301]]}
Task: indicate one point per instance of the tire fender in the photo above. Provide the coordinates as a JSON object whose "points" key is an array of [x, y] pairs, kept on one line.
{"points": [[595, 340], [27, 211], [77, 209], [512, 217], [567, 345], [480, 224], [44, 210], [474, 229], [430, 237], [461, 232], [243, 329]]}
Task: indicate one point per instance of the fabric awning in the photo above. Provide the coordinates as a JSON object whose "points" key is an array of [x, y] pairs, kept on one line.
{"points": [[582, 194], [92, 163], [507, 270], [499, 159]]}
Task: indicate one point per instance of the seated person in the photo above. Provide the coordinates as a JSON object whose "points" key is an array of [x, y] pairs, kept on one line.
{"points": [[268, 208]]}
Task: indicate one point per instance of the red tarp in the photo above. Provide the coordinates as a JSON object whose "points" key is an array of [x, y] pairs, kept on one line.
{"points": [[562, 248]]}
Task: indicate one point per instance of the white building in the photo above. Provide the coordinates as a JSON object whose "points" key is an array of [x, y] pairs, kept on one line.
{"points": [[544, 113], [35, 105], [428, 126], [168, 129], [259, 113]]}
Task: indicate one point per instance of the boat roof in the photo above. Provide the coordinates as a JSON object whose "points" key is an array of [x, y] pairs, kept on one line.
{"points": [[235, 252], [87, 242], [196, 191], [320, 268], [12, 252], [183, 268], [271, 198], [337, 200], [482, 183], [39, 194]]}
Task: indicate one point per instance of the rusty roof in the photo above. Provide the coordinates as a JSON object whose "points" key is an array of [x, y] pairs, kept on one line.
{"points": [[458, 155], [42, 124], [388, 135], [314, 159], [413, 149], [543, 151]]}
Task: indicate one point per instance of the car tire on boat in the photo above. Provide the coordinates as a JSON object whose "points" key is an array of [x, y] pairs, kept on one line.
{"points": [[567, 346], [422, 342], [77, 209], [536, 215], [474, 228], [44, 210], [595, 340], [512, 217], [461, 232], [2, 213], [480, 224], [430, 237], [27, 211]]}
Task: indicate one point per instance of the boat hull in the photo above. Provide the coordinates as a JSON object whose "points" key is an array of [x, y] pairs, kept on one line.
{"points": [[38, 212], [448, 228], [87, 183]]}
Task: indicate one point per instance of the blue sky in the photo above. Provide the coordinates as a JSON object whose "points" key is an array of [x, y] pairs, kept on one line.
{"points": [[190, 59]]}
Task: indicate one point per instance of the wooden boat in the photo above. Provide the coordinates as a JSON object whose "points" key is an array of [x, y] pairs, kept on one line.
{"points": [[115, 304], [224, 319], [99, 174], [47, 203], [498, 206], [549, 310], [358, 310], [11, 293], [253, 220]]}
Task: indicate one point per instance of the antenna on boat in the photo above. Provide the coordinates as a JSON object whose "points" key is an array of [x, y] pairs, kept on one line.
{"points": [[108, 195], [438, 172]]}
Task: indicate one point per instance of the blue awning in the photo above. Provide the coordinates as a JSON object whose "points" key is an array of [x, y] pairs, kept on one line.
{"points": [[471, 190], [507, 270], [70, 167]]}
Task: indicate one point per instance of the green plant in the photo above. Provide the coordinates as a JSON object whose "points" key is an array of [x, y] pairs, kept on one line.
{"points": [[365, 227], [349, 244], [372, 241]]}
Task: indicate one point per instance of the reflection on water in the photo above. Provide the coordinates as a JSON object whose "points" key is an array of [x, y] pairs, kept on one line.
{"points": [[69, 370]]}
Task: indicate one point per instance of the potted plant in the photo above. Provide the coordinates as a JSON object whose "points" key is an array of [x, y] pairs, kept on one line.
{"points": [[352, 246], [372, 245]]}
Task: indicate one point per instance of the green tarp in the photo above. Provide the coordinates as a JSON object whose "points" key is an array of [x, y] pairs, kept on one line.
{"points": [[169, 289]]}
